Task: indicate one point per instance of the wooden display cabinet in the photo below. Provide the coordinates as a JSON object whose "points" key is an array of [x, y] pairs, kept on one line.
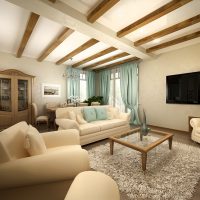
{"points": [[15, 97]]}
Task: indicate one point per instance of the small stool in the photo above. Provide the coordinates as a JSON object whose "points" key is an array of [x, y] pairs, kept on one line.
{"points": [[92, 185]]}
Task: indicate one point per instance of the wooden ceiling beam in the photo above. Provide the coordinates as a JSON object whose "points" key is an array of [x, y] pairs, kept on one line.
{"points": [[117, 63], [97, 55], [99, 10], [27, 34], [169, 30], [54, 44], [167, 8], [53, 1], [173, 42], [121, 55], [83, 47]]}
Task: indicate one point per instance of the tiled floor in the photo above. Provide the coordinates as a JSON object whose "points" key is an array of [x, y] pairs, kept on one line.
{"points": [[179, 136]]}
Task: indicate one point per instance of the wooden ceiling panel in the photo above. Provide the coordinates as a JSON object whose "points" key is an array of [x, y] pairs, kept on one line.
{"points": [[167, 8], [27, 34], [103, 7], [97, 55], [121, 55], [173, 42], [83, 47], [65, 34], [169, 30]]}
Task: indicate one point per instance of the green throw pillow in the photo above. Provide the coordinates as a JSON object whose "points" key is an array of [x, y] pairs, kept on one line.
{"points": [[101, 113], [89, 114]]}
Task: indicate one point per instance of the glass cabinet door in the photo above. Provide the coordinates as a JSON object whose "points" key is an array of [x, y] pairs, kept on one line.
{"points": [[22, 95], [5, 94]]}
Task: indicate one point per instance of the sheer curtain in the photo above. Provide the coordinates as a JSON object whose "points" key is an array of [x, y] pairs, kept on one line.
{"points": [[104, 85], [129, 89], [90, 84], [73, 82]]}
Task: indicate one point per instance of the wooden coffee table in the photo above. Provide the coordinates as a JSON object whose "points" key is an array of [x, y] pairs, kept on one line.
{"points": [[148, 143]]}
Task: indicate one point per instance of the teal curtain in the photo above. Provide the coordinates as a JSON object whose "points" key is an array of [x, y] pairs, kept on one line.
{"points": [[73, 82], [129, 89], [90, 75], [104, 85]]}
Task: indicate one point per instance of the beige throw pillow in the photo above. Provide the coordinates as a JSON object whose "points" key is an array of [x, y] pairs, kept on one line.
{"points": [[67, 124], [110, 115], [80, 119], [114, 112], [72, 115], [34, 143]]}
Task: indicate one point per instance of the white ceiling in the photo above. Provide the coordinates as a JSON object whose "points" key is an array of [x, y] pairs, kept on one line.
{"points": [[13, 21]]}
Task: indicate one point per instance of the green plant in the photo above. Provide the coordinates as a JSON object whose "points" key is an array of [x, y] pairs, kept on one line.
{"points": [[94, 99]]}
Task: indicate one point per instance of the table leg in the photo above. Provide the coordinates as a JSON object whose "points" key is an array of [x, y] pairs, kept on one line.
{"points": [[111, 146], [170, 142], [144, 161]]}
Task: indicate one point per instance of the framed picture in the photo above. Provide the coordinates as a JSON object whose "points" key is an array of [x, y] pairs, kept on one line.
{"points": [[50, 90]]}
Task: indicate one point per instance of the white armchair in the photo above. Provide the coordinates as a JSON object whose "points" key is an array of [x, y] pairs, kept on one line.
{"points": [[195, 123], [44, 176]]}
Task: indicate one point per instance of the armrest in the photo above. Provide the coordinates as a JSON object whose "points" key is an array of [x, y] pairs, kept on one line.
{"points": [[50, 167], [61, 138], [67, 124], [195, 122], [125, 116]]}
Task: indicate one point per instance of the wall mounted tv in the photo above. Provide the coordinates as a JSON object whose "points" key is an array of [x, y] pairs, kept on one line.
{"points": [[183, 88]]}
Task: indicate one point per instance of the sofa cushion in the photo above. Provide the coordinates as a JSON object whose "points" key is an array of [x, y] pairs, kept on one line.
{"points": [[34, 142], [109, 124], [67, 124], [72, 115], [89, 114], [80, 119], [88, 128], [12, 142], [101, 113]]}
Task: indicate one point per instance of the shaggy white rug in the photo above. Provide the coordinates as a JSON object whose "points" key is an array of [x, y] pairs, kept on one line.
{"points": [[171, 174]]}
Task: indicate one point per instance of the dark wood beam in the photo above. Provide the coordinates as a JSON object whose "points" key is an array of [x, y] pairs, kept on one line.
{"points": [[173, 42], [169, 30], [117, 63], [53, 1], [97, 55], [83, 47], [55, 43], [121, 55], [27, 34], [100, 9], [167, 8]]}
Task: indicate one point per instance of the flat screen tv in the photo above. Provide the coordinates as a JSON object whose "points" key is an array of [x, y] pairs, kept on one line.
{"points": [[183, 88]]}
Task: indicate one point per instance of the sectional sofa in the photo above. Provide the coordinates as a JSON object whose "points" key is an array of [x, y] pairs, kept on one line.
{"points": [[111, 122]]}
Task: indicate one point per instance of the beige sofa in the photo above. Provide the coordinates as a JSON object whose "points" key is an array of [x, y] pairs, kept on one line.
{"points": [[95, 130], [44, 176]]}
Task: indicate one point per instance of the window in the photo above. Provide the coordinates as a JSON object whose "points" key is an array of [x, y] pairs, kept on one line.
{"points": [[83, 94], [115, 93]]}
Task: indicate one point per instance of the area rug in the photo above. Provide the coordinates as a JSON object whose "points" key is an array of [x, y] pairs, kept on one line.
{"points": [[171, 174]]}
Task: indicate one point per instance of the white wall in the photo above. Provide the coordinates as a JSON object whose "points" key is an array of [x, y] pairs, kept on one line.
{"points": [[44, 72], [152, 87]]}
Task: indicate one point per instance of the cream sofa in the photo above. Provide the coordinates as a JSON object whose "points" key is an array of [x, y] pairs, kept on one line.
{"points": [[195, 123], [44, 176], [95, 130]]}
